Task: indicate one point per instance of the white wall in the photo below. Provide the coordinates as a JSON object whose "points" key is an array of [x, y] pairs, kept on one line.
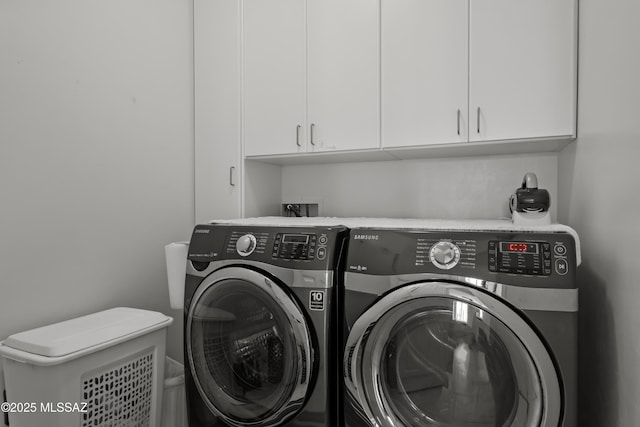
{"points": [[473, 187], [96, 156], [598, 178]]}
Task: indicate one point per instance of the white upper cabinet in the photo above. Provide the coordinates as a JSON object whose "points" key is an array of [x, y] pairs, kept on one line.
{"points": [[310, 76], [424, 72], [462, 70], [274, 76], [343, 74], [356, 76], [522, 70]]}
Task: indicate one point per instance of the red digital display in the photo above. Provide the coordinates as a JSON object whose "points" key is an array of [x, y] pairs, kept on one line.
{"points": [[519, 247]]}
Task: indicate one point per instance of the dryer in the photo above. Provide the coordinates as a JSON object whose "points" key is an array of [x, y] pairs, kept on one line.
{"points": [[467, 326], [258, 320]]}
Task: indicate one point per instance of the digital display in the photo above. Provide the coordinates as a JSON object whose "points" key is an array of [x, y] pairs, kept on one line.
{"points": [[295, 238], [519, 247]]}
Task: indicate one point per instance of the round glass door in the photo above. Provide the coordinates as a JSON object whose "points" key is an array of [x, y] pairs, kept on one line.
{"points": [[248, 348], [440, 354]]}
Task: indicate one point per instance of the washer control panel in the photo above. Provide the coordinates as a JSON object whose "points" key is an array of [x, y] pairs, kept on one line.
{"points": [[531, 258]]}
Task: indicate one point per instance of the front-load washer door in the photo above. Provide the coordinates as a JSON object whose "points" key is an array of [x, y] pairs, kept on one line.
{"points": [[249, 347], [445, 354]]}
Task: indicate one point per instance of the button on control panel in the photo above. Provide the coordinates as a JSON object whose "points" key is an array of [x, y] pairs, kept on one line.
{"points": [[562, 267], [560, 249]]}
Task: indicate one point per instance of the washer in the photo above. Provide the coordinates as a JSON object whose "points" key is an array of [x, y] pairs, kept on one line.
{"points": [[259, 315], [467, 326]]}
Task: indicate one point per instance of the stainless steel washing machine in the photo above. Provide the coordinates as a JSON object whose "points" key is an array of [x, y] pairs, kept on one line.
{"points": [[460, 328], [259, 314]]}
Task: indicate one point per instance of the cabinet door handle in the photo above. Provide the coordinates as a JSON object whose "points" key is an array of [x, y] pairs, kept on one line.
{"points": [[311, 134], [478, 119], [298, 136], [458, 121], [231, 171]]}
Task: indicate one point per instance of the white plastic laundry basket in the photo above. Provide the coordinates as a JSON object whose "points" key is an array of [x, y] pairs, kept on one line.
{"points": [[104, 369]]}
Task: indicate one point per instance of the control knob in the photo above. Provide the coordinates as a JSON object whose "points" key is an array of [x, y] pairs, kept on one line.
{"points": [[444, 255], [246, 244]]}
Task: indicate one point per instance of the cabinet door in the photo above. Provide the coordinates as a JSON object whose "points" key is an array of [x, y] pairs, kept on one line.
{"points": [[522, 69], [217, 109], [274, 76], [343, 74], [424, 72]]}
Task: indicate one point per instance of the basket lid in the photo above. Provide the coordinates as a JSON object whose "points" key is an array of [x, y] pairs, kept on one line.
{"points": [[85, 332]]}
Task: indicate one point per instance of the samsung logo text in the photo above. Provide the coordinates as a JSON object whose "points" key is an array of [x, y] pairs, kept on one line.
{"points": [[366, 237]]}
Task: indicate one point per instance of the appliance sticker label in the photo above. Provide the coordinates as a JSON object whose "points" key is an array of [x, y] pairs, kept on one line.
{"points": [[316, 300]]}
